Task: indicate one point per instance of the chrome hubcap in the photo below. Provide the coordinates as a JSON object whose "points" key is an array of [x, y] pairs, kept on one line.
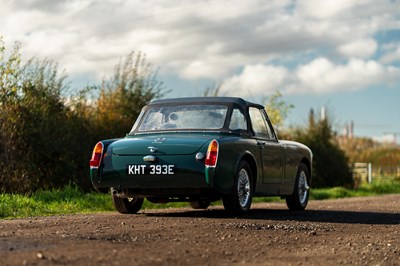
{"points": [[303, 188], [243, 188]]}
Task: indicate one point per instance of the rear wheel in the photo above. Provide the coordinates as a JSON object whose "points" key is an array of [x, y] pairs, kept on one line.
{"points": [[299, 199], [239, 201], [127, 205], [200, 204]]}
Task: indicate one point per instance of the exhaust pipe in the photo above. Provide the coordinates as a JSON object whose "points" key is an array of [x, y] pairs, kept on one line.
{"points": [[115, 191]]}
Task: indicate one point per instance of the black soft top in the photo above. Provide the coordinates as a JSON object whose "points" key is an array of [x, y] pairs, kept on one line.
{"points": [[208, 100]]}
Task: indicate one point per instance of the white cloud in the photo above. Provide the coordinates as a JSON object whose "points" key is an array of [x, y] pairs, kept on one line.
{"points": [[391, 54], [210, 39], [255, 80], [325, 9], [362, 48], [203, 69], [318, 76], [386, 138], [321, 75], [212, 66]]}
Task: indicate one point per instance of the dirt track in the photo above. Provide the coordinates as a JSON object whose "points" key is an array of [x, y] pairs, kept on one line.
{"points": [[357, 231]]}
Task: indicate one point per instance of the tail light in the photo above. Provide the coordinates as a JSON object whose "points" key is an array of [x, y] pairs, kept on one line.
{"points": [[212, 154], [97, 155]]}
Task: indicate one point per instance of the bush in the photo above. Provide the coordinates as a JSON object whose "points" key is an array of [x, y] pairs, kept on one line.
{"points": [[47, 134], [121, 97], [37, 129], [330, 164]]}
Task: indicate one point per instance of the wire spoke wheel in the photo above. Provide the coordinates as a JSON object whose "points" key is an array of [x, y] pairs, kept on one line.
{"points": [[303, 188], [239, 200], [243, 188], [299, 199]]}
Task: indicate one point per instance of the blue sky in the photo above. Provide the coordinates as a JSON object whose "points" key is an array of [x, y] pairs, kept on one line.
{"points": [[341, 54]]}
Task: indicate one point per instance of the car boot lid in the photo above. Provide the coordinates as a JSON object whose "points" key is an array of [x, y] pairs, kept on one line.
{"points": [[160, 144]]}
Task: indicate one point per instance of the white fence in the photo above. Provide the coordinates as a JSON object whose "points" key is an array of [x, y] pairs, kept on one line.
{"points": [[365, 172]]}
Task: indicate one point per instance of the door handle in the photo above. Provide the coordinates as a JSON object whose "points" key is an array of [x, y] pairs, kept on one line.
{"points": [[261, 144]]}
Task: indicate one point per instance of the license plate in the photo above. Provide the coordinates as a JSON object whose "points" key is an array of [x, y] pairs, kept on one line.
{"points": [[152, 169]]}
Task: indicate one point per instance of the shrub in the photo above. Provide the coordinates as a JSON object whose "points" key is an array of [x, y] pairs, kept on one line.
{"points": [[330, 164], [47, 134]]}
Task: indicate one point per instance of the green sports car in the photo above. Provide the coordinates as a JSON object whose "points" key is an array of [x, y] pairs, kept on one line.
{"points": [[201, 150]]}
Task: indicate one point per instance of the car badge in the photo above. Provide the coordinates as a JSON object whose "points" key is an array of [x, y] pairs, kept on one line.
{"points": [[200, 156], [159, 140], [152, 149], [149, 158]]}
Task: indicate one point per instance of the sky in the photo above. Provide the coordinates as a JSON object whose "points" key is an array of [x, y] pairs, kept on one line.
{"points": [[343, 55]]}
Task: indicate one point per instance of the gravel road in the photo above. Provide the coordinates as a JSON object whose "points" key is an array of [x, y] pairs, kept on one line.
{"points": [[356, 231]]}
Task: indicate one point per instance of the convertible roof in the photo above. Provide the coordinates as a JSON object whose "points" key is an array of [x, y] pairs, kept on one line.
{"points": [[207, 100]]}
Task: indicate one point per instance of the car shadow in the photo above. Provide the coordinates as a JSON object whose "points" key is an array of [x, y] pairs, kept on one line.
{"points": [[321, 216]]}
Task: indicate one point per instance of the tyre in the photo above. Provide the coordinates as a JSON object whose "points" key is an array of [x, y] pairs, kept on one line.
{"points": [[239, 201], [127, 205], [299, 199], [200, 204]]}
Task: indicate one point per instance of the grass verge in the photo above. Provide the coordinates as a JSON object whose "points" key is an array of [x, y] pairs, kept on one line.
{"points": [[376, 188], [72, 200]]}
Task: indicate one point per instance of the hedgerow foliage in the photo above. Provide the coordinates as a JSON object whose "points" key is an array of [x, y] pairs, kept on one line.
{"points": [[121, 97], [47, 133], [330, 164]]}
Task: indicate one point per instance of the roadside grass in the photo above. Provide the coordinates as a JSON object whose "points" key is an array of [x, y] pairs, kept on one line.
{"points": [[58, 201], [72, 200], [378, 187]]}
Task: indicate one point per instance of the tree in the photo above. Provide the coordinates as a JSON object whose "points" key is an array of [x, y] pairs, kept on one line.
{"points": [[121, 98], [213, 89], [45, 139], [330, 164], [35, 133], [9, 79], [277, 109]]}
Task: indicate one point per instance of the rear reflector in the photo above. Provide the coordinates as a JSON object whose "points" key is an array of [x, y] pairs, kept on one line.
{"points": [[97, 155], [212, 154]]}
